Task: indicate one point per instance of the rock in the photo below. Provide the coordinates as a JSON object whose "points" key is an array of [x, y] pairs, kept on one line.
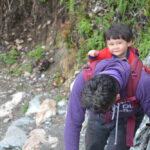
{"points": [[43, 46], [63, 102], [51, 60], [19, 41], [29, 39], [51, 52], [142, 138], [19, 47], [62, 111], [34, 105], [53, 141], [14, 137], [44, 25], [147, 60], [6, 43], [6, 108], [47, 109], [6, 120], [25, 30], [48, 22], [37, 138], [27, 74], [9, 46], [97, 9], [23, 121]]}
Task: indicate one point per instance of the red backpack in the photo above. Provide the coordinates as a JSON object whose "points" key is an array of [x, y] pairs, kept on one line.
{"points": [[135, 69]]}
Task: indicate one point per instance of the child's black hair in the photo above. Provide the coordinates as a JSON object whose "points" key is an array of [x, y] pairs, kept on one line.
{"points": [[99, 93], [117, 31]]}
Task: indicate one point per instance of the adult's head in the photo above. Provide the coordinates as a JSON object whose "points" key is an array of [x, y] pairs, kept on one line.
{"points": [[100, 93]]}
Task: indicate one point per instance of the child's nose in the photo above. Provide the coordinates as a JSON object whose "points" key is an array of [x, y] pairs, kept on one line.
{"points": [[116, 45]]}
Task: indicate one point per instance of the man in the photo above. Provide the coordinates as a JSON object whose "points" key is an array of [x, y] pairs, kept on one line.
{"points": [[98, 95]]}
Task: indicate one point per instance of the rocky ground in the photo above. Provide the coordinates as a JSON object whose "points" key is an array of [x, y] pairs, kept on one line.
{"points": [[45, 115], [14, 125]]}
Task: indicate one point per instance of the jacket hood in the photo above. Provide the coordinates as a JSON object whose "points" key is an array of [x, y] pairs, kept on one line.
{"points": [[119, 69]]}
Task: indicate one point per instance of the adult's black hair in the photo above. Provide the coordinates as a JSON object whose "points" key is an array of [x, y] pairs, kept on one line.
{"points": [[99, 93], [117, 31]]}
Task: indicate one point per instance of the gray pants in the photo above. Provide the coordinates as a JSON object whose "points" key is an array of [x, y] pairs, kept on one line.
{"points": [[98, 133]]}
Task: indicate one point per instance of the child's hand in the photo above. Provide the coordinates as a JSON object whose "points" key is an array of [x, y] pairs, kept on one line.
{"points": [[93, 53]]}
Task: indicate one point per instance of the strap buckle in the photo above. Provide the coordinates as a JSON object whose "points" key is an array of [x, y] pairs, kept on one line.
{"points": [[133, 73]]}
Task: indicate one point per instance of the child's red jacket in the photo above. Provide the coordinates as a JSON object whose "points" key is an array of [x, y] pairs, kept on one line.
{"points": [[105, 54]]}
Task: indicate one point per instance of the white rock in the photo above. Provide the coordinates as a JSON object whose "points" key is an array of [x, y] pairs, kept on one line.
{"points": [[6, 120], [6, 108], [34, 105], [48, 22], [47, 109], [62, 103], [19, 41], [36, 138], [19, 47], [29, 39], [26, 74], [53, 141]]}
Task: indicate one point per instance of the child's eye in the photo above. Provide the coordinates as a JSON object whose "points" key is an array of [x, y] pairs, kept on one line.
{"points": [[110, 44], [119, 43]]}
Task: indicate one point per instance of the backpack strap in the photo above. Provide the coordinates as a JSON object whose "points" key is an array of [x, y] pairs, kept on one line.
{"points": [[134, 50], [130, 130], [88, 72], [135, 70], [135, 73]]}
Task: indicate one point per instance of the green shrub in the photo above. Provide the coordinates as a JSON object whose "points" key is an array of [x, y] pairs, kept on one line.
{"points": [[42, 1], [25, 107], [10, 58], [144, 44], [37, 53]]}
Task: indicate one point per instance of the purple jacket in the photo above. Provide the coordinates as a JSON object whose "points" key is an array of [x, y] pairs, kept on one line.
{"points": [[76, 114]]}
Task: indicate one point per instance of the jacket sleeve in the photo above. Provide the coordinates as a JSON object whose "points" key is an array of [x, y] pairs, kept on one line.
{"points": [[75, 116], [143, 92], [102, 54]]}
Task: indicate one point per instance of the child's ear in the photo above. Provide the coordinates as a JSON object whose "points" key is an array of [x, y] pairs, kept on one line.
{"points": [[129, 43]]}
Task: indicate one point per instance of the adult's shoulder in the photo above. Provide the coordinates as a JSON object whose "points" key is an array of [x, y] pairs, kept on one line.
{"points": [[143, 93], [144, 83], [145, 78]]}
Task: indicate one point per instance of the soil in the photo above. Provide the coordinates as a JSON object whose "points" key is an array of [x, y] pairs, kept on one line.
{"points": [[30, 19]]}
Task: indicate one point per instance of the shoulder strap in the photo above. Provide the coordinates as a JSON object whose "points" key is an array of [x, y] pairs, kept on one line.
{"points": [[88, 71], [135, 50], [135, 73]]}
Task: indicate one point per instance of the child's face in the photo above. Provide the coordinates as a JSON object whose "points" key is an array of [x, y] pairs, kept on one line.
{"points": [[118, 47]]}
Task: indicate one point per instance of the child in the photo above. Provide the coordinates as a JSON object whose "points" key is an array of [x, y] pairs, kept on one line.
{"points": [[118, 39]]}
